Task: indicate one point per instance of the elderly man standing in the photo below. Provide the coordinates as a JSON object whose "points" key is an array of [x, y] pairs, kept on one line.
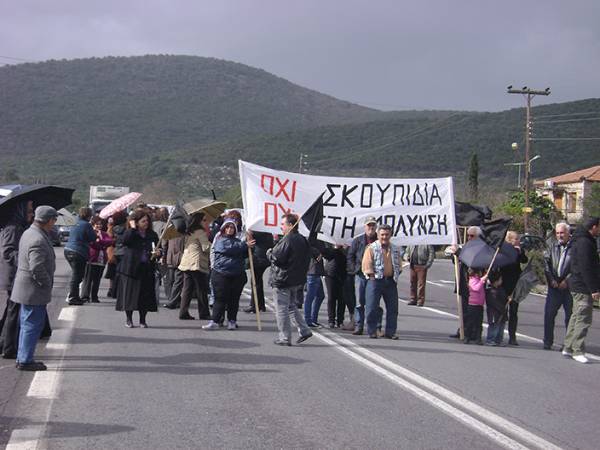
{"points": [[382, 264], [557, 268], [585, 287], [289, 263], [354, 267], [420, 258], [33, 284]]}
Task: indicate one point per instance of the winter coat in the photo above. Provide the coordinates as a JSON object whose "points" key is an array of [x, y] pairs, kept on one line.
{"points": [[229, 255], [10, 235], [137, 252], [512, 272], [80, 238], [264, 241], [315, 267], [356, 253], [174, 251], [335, 263], [551, 260], [118, 232], [196, 252], [420, 255], [585, 264], [289, 261], [35, 273], [98, 254]]}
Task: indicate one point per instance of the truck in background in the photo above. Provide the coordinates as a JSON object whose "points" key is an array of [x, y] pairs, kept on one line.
{"points": [[100, 196]]}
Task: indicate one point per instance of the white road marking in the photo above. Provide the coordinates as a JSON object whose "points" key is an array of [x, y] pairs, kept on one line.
{"points": [[411, 386], [67, 314], [440, 392], [435, 284]]}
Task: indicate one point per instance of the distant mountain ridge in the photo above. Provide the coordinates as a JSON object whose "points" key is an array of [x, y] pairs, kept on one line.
{"points": [[178, 124]]}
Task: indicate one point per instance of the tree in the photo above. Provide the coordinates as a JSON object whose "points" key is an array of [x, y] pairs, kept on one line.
{"points": [[591, 203], [474, 178], [541, 218]]}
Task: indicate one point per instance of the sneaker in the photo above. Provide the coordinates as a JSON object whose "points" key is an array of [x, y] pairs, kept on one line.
{"points": [[314, 325], [567, 353], [231, 325], [283, 342], [581, 358], [303, 338], [211, 326]]}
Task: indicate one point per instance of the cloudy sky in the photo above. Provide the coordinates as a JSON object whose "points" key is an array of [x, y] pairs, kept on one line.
{"points": [[388, 54]]}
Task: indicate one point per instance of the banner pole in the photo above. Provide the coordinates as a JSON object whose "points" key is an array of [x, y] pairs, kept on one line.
{"points": [[253, 280], [461, 319]]}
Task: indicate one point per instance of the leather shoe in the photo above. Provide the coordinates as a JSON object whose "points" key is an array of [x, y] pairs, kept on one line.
{"points": [[283, 342], [75, 302], [32, 366], [373, 335], [357, 332], [303, 338], [393, 337], [412, 303]]}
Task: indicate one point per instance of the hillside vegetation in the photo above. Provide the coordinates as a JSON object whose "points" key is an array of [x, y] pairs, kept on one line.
{"points": [[176, 125]]}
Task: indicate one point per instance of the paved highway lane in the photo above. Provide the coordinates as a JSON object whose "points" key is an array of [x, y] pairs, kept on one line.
{"points": [[177, 386]]}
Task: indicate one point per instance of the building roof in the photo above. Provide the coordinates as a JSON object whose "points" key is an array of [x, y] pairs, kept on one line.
{"points": [[589, 174]]}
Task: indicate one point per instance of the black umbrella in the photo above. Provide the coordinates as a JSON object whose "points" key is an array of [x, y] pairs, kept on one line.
{"points": [[478, 254], [40, 194]]}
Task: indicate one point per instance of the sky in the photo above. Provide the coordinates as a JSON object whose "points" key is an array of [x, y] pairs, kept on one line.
{"points": [[386, 54]]}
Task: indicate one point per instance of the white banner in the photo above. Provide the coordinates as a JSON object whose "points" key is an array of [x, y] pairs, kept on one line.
{"points": [[420, 210]]}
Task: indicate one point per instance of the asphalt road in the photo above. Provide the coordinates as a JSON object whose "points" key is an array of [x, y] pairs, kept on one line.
{"points": [[177, 386]]}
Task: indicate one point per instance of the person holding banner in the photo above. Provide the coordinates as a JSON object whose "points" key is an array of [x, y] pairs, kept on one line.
{"points": [[382, 265], [289, 263], [510, 276]]}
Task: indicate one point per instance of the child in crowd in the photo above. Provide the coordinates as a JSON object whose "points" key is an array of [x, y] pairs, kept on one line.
{"points": [[474, 318], [495, 299]]}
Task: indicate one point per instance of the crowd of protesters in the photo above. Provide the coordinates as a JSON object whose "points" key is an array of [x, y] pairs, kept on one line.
{"points": [[208, 262]]}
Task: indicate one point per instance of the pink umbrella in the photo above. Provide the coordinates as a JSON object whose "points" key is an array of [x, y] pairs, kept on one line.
{"points": [[119, 204]]}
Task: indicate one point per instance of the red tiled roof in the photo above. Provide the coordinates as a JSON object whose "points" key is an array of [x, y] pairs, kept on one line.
{"points": [[590, 174]]}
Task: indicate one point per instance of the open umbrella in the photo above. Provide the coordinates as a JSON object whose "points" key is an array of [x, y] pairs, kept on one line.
{"points": [[211, 208], [477, 254], [65, 218], [41, 194], [119, 204]]}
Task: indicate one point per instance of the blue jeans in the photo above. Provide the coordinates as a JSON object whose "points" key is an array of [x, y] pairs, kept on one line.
{"points": [[360, 286], [314, 298], [554, 300], [33, 318], [388, 289]]}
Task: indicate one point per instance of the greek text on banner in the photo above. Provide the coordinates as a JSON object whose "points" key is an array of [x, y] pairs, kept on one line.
{"points": [[419, 210]]}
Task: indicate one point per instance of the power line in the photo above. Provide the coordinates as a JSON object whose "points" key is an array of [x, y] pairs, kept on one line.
{"points": [[568, 114], [567, 139], [566, 120]]}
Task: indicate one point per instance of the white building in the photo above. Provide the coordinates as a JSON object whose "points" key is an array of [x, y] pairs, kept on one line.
{"points": [[568, 191]]}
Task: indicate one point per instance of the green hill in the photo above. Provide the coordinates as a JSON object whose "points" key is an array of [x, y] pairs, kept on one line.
{"points": [[176, 125]]}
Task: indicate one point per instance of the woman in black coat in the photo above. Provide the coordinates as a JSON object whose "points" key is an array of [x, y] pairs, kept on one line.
{"points": [[135, 291], [510, 276]]}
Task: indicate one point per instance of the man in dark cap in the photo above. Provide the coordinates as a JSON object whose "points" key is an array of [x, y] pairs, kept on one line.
{"points": [[33, 284]]}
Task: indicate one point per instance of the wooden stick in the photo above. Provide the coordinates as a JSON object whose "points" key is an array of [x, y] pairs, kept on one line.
{"points": [[461, 319], [255, 296], [493, 259]]}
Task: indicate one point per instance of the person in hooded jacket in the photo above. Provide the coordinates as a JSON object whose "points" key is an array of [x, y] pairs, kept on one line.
{"points": [[228, 275], [10, 235]]}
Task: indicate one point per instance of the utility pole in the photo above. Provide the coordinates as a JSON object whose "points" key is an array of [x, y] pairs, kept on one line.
{"points": [[303, 163], [530, 93]]}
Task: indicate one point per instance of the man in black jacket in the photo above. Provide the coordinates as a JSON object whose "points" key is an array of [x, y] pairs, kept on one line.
{"points": [[584, 285], [557, 268], [289, 264]]}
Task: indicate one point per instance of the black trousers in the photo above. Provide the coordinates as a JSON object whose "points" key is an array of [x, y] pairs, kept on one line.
{"points": [[176, 279], [195, 285], [77, 263], [260, 290], [474, 321], [9, 338], [227, 291], [335, 300], [91, 282], [513, 310], [350, 294]]}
